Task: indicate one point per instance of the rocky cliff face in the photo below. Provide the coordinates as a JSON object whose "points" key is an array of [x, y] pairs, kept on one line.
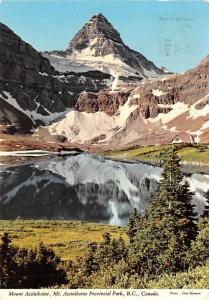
{"points": [[97, 27], [172, 109], [31, 91], [102, 101], [26, 83], [158, 96], [98, 45]]}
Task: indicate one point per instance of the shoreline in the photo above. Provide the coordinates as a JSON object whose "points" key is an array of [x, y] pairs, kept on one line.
{"points": [[18, 149], [16, 158], [204, 167]]}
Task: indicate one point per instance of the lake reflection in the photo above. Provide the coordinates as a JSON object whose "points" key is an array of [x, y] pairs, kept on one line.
{"points": [[83, 187]]}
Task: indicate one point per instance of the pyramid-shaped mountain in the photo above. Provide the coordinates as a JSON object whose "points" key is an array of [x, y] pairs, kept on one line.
{"points": [[98, 45], [97, 28]]}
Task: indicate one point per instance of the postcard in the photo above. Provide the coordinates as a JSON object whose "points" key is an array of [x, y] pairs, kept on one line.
{"points": [[104, 149]]}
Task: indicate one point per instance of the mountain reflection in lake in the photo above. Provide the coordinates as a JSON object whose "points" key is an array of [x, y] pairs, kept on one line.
{"points": [[83, 187]]}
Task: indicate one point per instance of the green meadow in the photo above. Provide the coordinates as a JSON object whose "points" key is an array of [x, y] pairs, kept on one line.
{"points": [[68, 239], [186, 152]]}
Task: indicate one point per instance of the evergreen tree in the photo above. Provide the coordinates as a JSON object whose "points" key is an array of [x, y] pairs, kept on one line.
{"points": [[133, 223], [168, 227], [8, 267], [103, 255], [25, 260], [199, 252], [116, 276], [90, 264], [45, 270], [100, 257], [23, 268], [110, 250], [76, 276], [206, 210]]}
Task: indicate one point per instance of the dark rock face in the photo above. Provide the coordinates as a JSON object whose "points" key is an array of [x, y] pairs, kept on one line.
{"points": [[9, 115], [151, 111], [97, 27], [18, 60], [31, 91], [109, 103], [29, 79], [90, 81], [102, 101]]}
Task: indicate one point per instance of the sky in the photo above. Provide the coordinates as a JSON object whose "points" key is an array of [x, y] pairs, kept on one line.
{"points": [[174, 34]]}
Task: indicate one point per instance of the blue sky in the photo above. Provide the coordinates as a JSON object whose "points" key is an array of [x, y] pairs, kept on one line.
{"points": [[174, 34]]}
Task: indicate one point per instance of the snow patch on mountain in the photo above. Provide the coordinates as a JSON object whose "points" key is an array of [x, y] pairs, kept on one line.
{"points": [[150, 73], [177, 109], [32, 114], [84, 61], [66, 64], [158, 93], [196, 113], [81, 126]]}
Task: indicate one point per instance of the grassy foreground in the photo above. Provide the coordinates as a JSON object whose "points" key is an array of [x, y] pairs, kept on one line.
{"points": [[68, 239], [186, 152]]}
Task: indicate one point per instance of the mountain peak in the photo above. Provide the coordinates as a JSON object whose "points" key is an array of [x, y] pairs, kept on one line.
{"points": [[97, 27], [98, 46], [99, 16], [98, 40]]}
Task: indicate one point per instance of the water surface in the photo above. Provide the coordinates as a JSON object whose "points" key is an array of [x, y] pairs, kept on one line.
{"points": [[83, 187]]}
